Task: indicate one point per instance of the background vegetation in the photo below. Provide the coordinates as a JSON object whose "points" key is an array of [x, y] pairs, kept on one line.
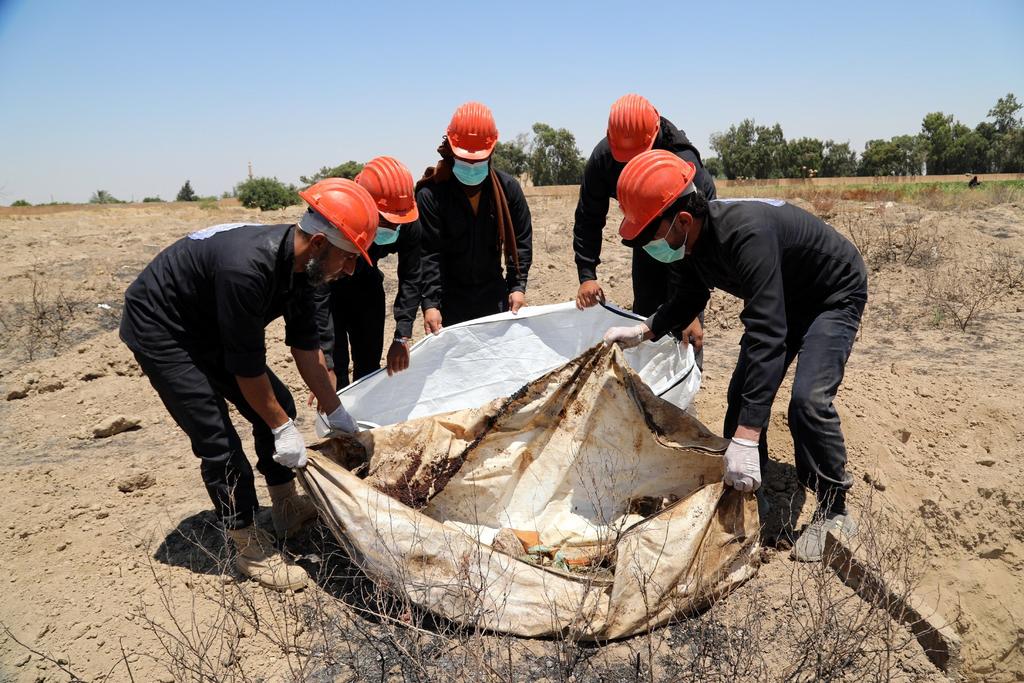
{"points": [[943, 146]]}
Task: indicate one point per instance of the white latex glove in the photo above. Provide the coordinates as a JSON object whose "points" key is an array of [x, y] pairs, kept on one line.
{"points": [[742, 465], [338, 421], [626, 337], [289, 446]]}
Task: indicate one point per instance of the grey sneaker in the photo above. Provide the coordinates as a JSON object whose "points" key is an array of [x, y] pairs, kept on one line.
{"points": [[811, 545]]}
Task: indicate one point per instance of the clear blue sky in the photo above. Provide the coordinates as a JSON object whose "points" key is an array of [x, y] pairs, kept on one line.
{"points": [[135, 97]]}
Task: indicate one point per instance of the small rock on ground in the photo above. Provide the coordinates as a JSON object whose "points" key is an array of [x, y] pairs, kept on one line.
{"points": [[115, 425], [136, 482]]}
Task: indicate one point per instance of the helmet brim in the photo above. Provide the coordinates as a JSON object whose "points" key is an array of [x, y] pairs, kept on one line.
{"points": [[468, 154], [631, 230], [641, 235], [624, 153], [365, 253], [402, 218]]}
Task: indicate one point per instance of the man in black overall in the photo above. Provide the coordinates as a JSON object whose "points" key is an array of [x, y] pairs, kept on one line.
{"points": [[634, 126], [351, 310], [473, 217], [195, 320], [804, 288]]}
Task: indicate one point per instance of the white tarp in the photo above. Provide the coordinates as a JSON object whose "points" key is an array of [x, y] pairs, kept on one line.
{"points": [[583, 464], [471, 363]]}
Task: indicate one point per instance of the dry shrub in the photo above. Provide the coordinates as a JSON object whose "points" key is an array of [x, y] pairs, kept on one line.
{"points": [[39, 324], [820, 629], [962, 291], [834, 633], [824, 205], [883, 239], [1008, 269], [858, 229]]}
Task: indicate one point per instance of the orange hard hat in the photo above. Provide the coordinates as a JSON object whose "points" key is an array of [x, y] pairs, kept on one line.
{"points": [[648, 185], [391, 185], [348, 207], [632, 126], [472, 132]]}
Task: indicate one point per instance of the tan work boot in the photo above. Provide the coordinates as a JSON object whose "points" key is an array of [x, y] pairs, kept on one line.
{"points": [[290, 511], [259, 559]]}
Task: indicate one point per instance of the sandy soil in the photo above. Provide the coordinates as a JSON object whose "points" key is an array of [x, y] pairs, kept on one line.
{"points": [[932, 416]]}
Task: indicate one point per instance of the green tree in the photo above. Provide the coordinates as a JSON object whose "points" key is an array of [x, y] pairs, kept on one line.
{"points": [[1005, 136], [877, 158], [150, 200], [511, 157], [838, 160], [1007, 152], [902, 155], [104, 197], [751, 151], [185, 194], [266, 194], [20, 202], [554, 157], [770, 152], [735, 147], [952, 147], [988, 131], [350, 169], [937, 135], [911, 153], [804, 158], [713, 165], [1005, 113], [969, 152]]}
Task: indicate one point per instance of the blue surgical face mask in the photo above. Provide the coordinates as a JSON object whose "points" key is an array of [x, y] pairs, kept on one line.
{"points": [[662, 251], [386, 235], [469, 172]]}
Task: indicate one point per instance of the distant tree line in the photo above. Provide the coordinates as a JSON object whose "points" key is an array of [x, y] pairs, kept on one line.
{"points": [[550, 156], [943, 146]]}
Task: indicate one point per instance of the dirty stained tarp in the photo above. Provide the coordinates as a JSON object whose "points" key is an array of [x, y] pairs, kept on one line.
{"points": [[566, 461]]}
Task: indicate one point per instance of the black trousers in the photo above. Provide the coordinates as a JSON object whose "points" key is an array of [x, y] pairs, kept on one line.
{"points": [[651, 289], [195, 390], [823, 342], [357, 311]]}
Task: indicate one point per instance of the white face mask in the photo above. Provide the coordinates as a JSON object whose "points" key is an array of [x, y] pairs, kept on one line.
{"points": [[386, 235], [661, 250], [470, 172]]}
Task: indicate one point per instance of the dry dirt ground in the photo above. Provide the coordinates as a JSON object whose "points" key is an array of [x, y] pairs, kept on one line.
{"points": [[94, 531]]}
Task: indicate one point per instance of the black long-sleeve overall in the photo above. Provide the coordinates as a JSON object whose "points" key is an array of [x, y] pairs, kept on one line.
{"points": [[651, 282], [461, 261], [804, 288], [195, 319]]}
